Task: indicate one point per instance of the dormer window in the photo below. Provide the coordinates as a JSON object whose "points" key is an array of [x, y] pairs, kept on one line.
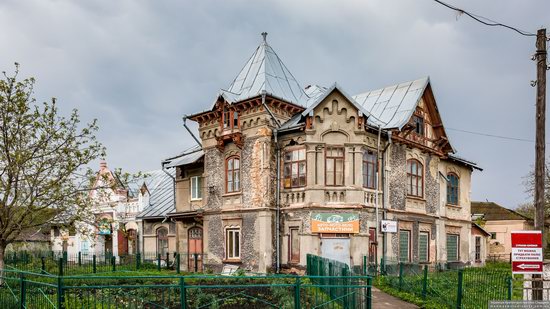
{"points": [[418, 123]]}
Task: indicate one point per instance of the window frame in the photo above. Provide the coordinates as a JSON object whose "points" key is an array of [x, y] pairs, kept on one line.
{"points": [[408, 245], [493, 235], [457, 247], [163, 238], [419, 125], [369, 164], [228, 119], [235, 172], [450, 187], [334, 160], [477, 248], [419, 178], [427, 234], [196, 189], [231, 230], [293, 163]]}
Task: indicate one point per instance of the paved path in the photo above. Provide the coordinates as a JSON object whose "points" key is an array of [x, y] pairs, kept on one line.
{"points": [[383, 300]]}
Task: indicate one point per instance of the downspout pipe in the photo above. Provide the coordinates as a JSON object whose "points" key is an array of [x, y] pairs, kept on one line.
{"points": [[385, 193], [190, 132], [277, 187]]}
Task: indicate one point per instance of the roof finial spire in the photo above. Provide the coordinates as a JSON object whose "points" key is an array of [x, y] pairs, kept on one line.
{"points": [[264, 35]]}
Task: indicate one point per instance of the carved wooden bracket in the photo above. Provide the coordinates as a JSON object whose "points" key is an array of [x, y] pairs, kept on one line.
{"points": [[235, 137]]}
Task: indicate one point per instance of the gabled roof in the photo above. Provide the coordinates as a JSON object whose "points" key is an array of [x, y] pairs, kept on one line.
{"points": [[321, 96], [493, 212], [161, 190], [475, 225], [265, 71], [392, 107]]}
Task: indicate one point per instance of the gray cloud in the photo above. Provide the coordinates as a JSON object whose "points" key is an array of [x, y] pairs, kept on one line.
{"points": [[138, 66]]}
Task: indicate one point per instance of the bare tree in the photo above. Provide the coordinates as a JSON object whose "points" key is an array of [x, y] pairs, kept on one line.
{"points": [[43, 156]]}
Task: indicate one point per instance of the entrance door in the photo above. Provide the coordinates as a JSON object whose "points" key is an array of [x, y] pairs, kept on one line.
{"points": [[195, 249], [372, 245], [336, 248]]}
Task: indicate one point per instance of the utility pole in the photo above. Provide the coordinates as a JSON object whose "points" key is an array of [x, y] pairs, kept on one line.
{"points": [[540, 58]]}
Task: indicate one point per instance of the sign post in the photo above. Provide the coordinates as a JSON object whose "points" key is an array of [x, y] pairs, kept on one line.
{"points": [[527, 252]]}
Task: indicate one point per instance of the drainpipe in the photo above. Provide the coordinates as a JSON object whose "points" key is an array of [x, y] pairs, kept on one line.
{"points": [[277, 188], [377, 182], [385, 193], [189, 130]]}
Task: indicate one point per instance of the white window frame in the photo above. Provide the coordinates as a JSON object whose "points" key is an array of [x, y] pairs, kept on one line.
{"points": [[230, 234], [196, 192]]}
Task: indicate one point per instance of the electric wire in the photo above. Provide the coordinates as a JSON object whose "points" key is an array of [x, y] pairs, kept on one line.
{"points": [[492, 135]]}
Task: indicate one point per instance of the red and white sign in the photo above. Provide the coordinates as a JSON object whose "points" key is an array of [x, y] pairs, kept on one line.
{"points": [[526, 252]]}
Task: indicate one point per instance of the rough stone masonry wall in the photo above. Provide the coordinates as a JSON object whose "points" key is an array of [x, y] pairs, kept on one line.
{"points": [[397, 177]]}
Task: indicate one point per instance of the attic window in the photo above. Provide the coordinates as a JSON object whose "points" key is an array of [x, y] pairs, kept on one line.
{"points": [[418, 123]]}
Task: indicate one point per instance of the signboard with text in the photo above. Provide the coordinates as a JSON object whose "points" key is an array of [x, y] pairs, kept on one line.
{"points": [[526, 252], [388, 226], [334, 223]]}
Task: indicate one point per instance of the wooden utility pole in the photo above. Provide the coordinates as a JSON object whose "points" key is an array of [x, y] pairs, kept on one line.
{"points": [[540, 58]]}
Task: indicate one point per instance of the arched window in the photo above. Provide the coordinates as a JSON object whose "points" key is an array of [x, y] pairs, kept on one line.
{"points": [[452, 189], [369, 169], [162, 241], [232, 175], [415, 178]]}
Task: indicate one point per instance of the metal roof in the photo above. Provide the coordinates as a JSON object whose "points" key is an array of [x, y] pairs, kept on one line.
{"points": [[392, 106], [321, 96], [190, 155], [161, 193], [265, 71]]}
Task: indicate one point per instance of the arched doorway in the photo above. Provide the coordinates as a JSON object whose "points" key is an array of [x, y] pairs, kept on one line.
{"points": [[195, 249]]}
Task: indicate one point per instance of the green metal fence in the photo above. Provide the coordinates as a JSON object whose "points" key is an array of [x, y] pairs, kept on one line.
{"points": [[469, 287], [30, 290], [57, 262]]}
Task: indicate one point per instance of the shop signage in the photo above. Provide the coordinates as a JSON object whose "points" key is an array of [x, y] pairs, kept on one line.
{"points": [[526, 252], [334, 223], [388, 226]]}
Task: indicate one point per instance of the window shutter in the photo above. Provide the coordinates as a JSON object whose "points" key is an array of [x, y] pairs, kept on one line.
{"points": [[404, 246], [452, 248], [423, 247]]}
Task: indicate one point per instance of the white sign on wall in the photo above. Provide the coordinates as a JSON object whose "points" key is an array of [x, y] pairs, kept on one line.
{"points": [[388, 226]]}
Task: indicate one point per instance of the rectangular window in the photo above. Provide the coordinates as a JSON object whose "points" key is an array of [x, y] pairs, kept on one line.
{"points": [[423, 247], [418, 123], [196, 188], [294, 171], [294, 245], [233, 243], [369, 169], [452, 248], [232, 175], [404, 246], [478, 249], [334, 166], [415, 178], [493, 235], [56, 231]]}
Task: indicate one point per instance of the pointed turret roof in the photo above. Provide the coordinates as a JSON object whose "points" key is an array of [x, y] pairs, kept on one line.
{"points": [[265, 71]]}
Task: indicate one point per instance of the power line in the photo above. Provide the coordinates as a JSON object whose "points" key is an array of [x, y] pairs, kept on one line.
{"points": [[484, 20], [492, 135]]}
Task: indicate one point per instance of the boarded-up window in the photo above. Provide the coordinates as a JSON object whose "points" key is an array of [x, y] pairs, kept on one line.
{"points": [[334, 166], [452, 248], [423, 247], [294, 245], [404, 245]]}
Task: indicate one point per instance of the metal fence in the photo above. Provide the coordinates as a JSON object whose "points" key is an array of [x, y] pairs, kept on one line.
{"points": [[469, 287], [62, 263], [29, 290]]}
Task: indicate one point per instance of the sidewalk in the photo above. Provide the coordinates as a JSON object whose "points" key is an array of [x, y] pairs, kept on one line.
{"points": [[383, 300]]}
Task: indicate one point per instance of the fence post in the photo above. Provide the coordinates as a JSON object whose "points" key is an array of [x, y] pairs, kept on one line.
{"points": [[60, 267], [365, 270], [178, 266], [369, 292], [113, 263], [382, 266], [23, 290], [297, 304], [183, 298], [196, 260], [509, 280], [79, 258], [330, 280], [167, 260], [60, 292], [459, 291], [138, 260], [425, 283], [94, 264], [400, 276], [43, 267], [158, 262]]}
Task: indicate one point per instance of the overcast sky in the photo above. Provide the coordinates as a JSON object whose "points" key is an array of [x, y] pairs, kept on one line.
{"points": [[139, 66]]}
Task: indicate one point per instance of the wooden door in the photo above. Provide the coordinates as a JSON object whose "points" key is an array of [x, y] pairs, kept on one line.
{"points": [[294, 244], [372, 245], [195, 249]]}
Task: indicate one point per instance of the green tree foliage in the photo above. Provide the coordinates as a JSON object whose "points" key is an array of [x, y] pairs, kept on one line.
{"points": [[43, 156]]}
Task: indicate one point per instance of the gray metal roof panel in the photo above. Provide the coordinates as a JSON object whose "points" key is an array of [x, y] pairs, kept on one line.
{"points": [[161, 198]]}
